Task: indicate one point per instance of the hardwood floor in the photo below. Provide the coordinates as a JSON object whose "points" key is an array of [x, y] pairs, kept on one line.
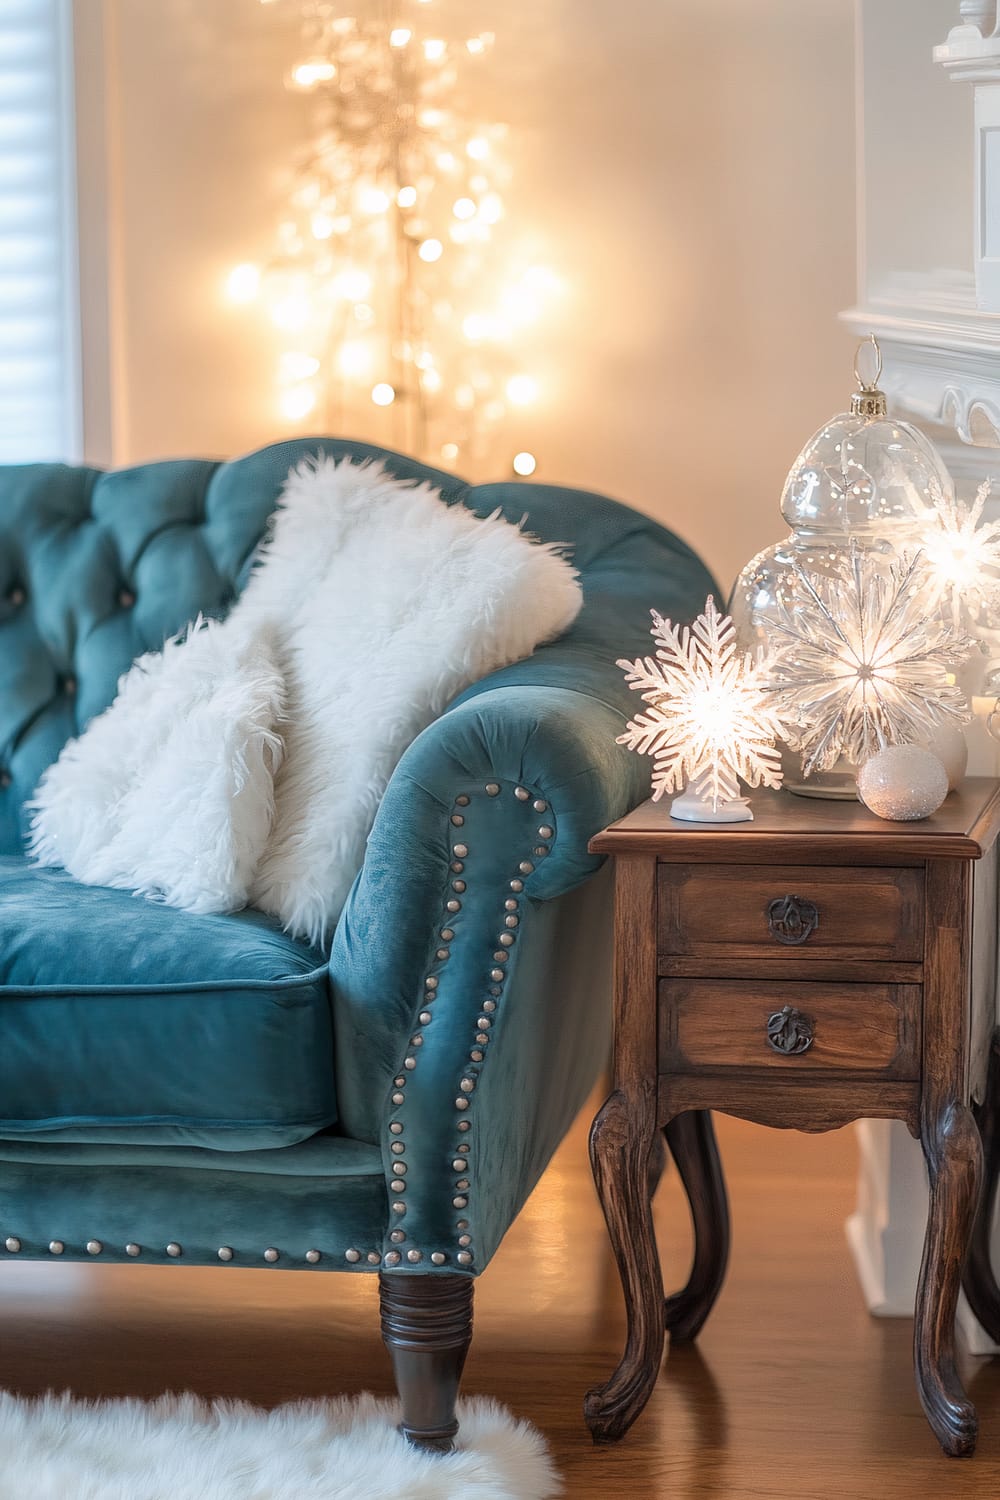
{"points": [[792, 1391]]}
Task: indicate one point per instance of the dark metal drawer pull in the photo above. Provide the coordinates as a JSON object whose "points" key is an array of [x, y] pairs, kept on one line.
{"points": [[789, 1031], [791, 919]]}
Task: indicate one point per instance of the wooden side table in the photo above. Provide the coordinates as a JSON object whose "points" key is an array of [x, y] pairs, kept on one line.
{"points": [[808, 969]]}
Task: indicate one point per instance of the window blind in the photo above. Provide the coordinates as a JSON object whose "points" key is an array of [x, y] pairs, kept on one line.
{"points": [[39, 399]]}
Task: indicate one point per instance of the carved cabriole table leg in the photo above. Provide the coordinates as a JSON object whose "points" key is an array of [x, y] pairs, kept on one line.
{"points": [[980, 1278], [691, 1138], [621, 1144], [953, 1151]]}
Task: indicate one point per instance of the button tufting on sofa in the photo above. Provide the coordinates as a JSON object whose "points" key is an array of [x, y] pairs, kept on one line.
{"points": [[16, 596], [126, 598], [5, 778]]}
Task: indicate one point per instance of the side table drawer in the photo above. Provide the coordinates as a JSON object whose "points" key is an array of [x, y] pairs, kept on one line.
{"points": [[795, 911], [712, 1024]]}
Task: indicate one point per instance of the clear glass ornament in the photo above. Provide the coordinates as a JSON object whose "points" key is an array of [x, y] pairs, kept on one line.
{"points": [[863, 477]]}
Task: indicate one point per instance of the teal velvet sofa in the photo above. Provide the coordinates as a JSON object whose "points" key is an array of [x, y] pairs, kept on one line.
{"points": [[206, 1090]]}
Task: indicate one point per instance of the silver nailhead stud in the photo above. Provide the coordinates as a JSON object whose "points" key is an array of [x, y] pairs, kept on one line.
{"points": [[437, 1258], [373, 1257], [541, 851], [400, 1168], [458, 820], [505, 937], [461, 1103], [500, 956], [510, 904], [397, 1148], [133, 1249], [461, 800], [467, 1085], [517, 885], [540, 806], [482, 1038], [463, 1124], [441, 953], [173, 1249], [56, 1247], [396, 1128], [462, 1184], [545, 832], [94, 1247], [458, 885], [457, 867], [392, 1258], [460, 850], [12, 1243], [460, 1163], [413, 1256], [398, 1098], [460, 1202], [521, 794], [416, 1040], [510, 922], [447, 934], [476, 1055], [496, 973], [409, 1062], [526, 867], [224, 1252], [399, 1208], [431, 982], [489, 1006], [399, 1082], [492, 789], [424, 1018], [353, 1256], [312, 1256], [453, 905], [397, 1185], [271, 1255], [465, 1239], [397, 1236], [464, 1258]]}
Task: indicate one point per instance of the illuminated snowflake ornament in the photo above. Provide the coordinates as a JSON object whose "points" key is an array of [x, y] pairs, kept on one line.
{"points": [[711, 720], [963, 557], [861, 658]]}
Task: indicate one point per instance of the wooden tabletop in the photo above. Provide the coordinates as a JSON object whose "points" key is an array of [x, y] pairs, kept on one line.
{"points": [[787, 827]]}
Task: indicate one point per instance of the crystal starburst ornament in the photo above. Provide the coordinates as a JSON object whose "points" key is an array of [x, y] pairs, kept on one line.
{"points": [[711, 720], [963, 557], [860, 659]]}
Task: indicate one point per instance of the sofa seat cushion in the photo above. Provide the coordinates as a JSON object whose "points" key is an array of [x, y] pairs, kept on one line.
{"points": [[127, 1022]]}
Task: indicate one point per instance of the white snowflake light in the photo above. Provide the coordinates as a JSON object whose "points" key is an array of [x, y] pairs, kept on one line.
{"points": [[860, 659], [963, 556], [711, 720]]}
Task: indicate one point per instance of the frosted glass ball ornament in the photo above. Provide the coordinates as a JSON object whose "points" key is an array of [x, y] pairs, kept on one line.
{"points": [[903, 783]]}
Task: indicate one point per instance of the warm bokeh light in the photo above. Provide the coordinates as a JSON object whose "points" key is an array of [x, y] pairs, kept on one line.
{"points": [[383, 393], [294, 365], [430, 250], [399, 36], [297, 403], [243, 282], [306, 75], [522, 390], [524, 464]]}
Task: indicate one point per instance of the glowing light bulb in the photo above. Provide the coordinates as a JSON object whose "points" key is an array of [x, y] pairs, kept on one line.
{"points": [[306, 75], [522, 390], [524, 463], [478, 148], [399, 36], [322, 226], [243, 282], [372, 200], [406, 197], [297, 403], [383, 394], [292, 312], [430, 380], [295, 365], [463, 208], [354, 357], [449, 452], [434, 49], [430, 250]]}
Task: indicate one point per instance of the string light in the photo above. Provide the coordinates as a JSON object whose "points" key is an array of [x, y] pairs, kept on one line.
{"points": [[391, 282]]}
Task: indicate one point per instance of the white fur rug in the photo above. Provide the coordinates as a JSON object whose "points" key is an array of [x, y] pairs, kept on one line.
{"points": [[182, 1448]]}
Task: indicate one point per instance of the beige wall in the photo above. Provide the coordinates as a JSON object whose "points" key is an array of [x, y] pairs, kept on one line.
{"points": [[687, 166]]}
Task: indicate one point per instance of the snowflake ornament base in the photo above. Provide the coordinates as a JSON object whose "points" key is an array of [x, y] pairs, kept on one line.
{"points": [[689, 807]]}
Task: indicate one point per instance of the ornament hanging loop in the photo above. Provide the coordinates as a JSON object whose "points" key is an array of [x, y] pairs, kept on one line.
{"points": [[868, 401]]}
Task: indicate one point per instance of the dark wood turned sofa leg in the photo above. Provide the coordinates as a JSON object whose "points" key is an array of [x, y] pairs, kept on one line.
{"points": [[427, 1328]]}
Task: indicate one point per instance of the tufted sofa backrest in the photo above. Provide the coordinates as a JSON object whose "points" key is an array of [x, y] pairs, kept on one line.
{"points": [[96, 568]]}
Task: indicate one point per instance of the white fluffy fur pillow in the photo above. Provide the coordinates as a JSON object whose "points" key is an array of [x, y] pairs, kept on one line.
{"points": [[169, 792], [379, 603]]}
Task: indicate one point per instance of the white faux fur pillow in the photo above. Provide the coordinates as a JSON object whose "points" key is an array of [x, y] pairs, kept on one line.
{"points": [[379, 603], [169, 792]]}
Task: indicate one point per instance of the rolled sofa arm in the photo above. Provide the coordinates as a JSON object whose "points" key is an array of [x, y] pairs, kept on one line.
{"points": [[458, 1047]]}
